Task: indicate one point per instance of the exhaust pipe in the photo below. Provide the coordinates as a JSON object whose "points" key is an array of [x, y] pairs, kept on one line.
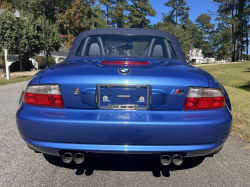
{"points": [[177, 159], [165, 160], [67, 157], [79, 158]]}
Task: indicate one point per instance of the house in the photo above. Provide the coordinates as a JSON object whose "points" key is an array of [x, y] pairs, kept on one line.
{"points": [[195, 55], [61, 54]]}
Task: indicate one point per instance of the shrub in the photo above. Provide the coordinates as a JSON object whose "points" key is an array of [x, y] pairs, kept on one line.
{"points": [[41, 61], [51, 61], [2, 64]]}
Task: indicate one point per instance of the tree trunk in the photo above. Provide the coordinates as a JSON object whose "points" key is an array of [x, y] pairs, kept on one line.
{"points": [[233, 35], [237, 52], [107, 14], [176, 19], [247, 43], [233, 42]]}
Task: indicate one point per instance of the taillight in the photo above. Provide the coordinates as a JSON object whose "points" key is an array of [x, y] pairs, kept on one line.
{"points": [[204, 98], [125, 63], [43, 95]]}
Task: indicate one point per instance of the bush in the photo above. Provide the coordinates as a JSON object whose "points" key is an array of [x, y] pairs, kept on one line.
{"points": [[190, 61], [2, 64], [51, 61], [41, 62]]}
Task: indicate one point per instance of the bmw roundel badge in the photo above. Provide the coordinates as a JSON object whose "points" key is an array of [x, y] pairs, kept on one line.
{"points": [[76, 91], [124, 71]]}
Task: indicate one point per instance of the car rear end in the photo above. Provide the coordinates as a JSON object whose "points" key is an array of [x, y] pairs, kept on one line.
{"points": [[117, 104]]}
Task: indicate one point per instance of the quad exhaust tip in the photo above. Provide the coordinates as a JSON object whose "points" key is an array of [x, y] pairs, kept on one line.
{"points": [[79, 158], [177, 159], [67, 157], [165, 160]]}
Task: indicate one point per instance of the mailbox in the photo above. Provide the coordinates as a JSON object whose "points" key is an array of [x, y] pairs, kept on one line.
{"points": [[12, 58]]}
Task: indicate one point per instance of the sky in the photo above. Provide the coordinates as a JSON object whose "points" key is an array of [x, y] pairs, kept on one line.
{"points": [[198, 7]]}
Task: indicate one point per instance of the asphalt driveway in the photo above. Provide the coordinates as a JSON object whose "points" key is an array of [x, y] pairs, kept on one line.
{"points": [[20, 166]]}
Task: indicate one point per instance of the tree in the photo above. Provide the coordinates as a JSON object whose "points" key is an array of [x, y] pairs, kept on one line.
{"points": [[108, 11], [31, 36], [227, 14], [184, 37], [118, 16], [75, 23], [179, 9], [94, 16], [204, 34], [222, 41], [138, 12]]}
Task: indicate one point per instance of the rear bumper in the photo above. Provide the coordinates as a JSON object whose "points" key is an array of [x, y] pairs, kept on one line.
{"points": [[53, 148], [51, 130]]}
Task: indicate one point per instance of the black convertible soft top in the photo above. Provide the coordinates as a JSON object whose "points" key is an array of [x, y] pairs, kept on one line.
{"points": [[127, 31]]}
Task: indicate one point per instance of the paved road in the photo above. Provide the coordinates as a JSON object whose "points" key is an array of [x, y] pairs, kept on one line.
{"points": [[24, 73], [20, 166]]}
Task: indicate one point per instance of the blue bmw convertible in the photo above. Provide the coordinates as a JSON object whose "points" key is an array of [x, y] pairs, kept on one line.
{"points": [[125, 91]]}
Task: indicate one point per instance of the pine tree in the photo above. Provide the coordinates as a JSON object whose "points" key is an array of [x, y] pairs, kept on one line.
{"points": [[94, 16], [108, 9], [118, 16], [138, 12], [205, 31], [179, 9], [183, 36]]}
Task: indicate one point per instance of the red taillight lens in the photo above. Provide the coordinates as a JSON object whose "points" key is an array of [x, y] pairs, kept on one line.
{"points": [[191, 103], [204, 98], [218, 102], [30, 98], [44, 95], [42, 99], [125, 63], [205, 103], [56, 100]]}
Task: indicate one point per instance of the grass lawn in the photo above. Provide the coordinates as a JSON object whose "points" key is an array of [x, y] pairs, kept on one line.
{"points": [[15, 78], [236, 80]]}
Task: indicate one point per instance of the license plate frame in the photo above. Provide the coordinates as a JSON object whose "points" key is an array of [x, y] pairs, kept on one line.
{"points": [[123, 106]]}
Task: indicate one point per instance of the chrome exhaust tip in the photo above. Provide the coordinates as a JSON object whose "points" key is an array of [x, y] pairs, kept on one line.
{"points": [[165, 160], [67, 157], [177, 159], [79, 158]]}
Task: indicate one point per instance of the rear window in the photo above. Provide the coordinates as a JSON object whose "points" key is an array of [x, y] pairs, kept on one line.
{"points": [[125, 45]]}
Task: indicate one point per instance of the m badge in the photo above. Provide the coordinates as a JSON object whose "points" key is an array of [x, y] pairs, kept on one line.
{"points": [[177, 92]]}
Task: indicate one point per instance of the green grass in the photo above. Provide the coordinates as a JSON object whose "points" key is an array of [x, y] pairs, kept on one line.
{"points": [[236, 80], [14, 79], [234, 75]]}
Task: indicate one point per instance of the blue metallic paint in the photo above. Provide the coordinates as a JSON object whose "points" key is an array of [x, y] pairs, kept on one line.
{"points": [[102, 127], [161, 75], [164, 128]]}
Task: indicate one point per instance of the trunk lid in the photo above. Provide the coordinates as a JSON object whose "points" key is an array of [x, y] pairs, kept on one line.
{"points": [[167, 83]]}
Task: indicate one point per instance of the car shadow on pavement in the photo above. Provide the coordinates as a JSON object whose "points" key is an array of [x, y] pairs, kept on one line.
{"points": [[123, 162]]}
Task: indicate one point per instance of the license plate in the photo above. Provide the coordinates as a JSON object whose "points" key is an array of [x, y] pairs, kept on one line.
{"points": [[123, 97]]}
